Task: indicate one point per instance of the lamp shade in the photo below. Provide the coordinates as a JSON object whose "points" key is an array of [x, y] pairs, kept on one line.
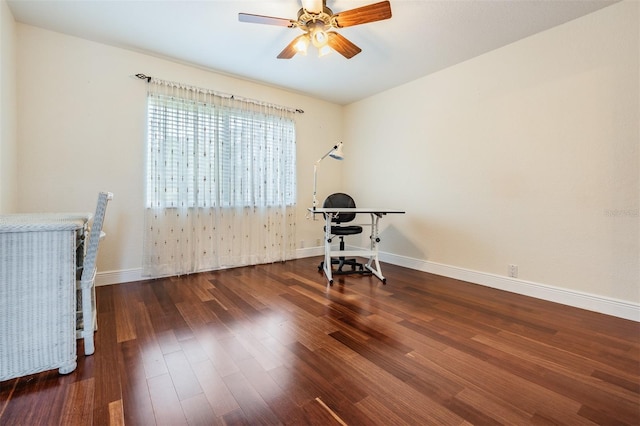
{"points": [[337, 152]]}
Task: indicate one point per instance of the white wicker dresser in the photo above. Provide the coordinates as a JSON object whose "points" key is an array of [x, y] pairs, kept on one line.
{"points": [[38, 292]]}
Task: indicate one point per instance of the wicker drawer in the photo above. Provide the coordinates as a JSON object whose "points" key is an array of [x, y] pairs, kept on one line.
{"points": [[37, 294]]}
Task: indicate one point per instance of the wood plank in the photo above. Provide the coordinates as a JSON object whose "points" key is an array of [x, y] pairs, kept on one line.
{"points": [[166, 405], [78, 403], [31, 396], [274, 344], [215, 390], [275, 397], [124, 311], [136, 400], [254, 407], [184, 380], [116, 413], [198, 411], [104, 360], [379, 413]]}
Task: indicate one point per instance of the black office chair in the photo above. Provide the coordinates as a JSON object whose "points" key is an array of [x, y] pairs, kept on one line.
{"points": [[337, 200]]}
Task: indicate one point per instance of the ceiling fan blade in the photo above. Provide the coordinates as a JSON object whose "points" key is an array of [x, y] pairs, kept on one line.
{"points": [[290, 51], [365, 14], [343, 46], [268, 20]]}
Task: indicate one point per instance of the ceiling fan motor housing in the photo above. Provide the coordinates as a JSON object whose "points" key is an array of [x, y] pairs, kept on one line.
{"points": [[315, 22], [309, 20]]}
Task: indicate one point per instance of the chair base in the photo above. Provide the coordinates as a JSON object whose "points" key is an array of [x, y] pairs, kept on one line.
{"points": [[356, 267]]}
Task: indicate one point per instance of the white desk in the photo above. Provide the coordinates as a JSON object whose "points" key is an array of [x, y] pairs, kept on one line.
{"points": [[38, 260], [373, 265]]}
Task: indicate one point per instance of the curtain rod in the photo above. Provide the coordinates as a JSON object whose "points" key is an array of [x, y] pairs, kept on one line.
{"points": [[226, 95]]}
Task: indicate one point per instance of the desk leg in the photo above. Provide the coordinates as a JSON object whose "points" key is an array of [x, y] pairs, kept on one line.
{"points": [[374, 249], [327, 249]]}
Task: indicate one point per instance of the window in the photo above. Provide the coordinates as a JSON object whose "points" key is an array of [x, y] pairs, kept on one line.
{"points": [[221, 181], [206, 155]]}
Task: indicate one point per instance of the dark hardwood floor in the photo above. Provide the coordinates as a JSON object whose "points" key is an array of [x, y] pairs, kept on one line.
{"points": [[273, 344]]}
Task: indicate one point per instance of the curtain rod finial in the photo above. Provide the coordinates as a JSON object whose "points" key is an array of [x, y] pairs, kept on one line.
{"points": [[144, 77]]}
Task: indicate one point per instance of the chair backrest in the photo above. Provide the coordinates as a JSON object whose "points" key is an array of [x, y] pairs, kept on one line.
{"points": [[339, 200], [89, 265]]}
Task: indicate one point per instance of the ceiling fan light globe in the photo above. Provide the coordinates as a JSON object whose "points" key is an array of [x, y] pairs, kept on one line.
{"points": [[323, 50], [301, 45], [319, 38]]}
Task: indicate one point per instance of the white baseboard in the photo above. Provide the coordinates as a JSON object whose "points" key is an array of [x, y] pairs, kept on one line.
{"points": [[591, 302], [577, 299], [130, 275], [119, 277], [309, 252]]}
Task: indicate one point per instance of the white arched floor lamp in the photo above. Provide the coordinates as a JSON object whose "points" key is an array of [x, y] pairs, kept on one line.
{"points": [[335, 152]]}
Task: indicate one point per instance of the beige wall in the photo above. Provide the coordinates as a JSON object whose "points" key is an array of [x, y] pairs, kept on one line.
{"points": [[82, 130], [8, 118], [527, 155]]}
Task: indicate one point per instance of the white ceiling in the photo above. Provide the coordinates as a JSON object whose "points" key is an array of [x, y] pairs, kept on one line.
{"points": [[423, 36]]}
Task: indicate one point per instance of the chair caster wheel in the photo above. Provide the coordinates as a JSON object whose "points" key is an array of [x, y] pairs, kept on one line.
{"points": [[331, 282]]}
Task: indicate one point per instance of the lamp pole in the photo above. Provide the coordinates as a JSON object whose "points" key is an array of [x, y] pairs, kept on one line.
{"points": [[335, 152]]}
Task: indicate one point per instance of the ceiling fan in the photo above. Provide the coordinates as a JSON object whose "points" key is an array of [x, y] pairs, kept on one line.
{"points": [[316, 21]]}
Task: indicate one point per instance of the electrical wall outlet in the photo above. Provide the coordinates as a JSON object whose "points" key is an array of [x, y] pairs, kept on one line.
{"points": [[513, 271], [301, 243]]}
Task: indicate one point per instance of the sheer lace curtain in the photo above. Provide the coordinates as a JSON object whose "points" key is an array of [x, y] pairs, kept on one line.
{"points": [[220, 181]]}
